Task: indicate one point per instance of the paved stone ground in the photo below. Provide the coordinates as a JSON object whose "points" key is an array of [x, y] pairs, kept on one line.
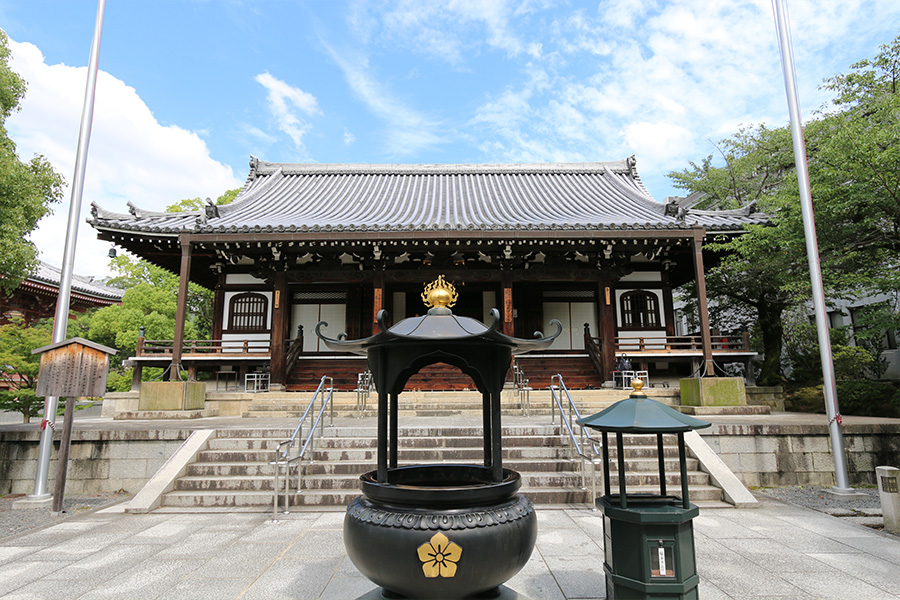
{"points": [[777, 551]]}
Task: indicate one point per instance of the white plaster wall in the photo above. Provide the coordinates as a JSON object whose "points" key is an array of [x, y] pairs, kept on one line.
{"points": [[238, 278]]}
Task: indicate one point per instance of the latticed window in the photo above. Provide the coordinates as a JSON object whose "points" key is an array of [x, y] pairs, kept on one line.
{"points": [[640, 309], [248, 312]]}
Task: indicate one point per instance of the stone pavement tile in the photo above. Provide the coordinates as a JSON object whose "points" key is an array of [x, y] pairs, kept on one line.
{"points": [[329, 520], [568, 542], [55, 534], [554, 519], [347, 583], [578, 576], [822, 524], [240, 561], [806, 541], [318, 543], [198, 588], [166, 532], [145, 581], [10, 553], [835, 585], [772, 555], [20, 573], [539, 586], [719, 526], [80, 546], [56, 589], [591, 522], [281, 532], [293, 580], [877, 544], [879, 573], [133, 524], [739, 577], [106, 563], [199, 544], [708, 591]]}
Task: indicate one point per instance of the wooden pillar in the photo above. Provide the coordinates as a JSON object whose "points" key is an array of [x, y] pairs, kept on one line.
{"points": [[508, 325], [377, 299], [280, 323], [181, 309], [606, 300], [707, 368], [668, 305], [218, 307]]}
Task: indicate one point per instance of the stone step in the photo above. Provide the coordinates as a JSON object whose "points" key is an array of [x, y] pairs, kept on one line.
{"points": [[344, 482], [263, 500]]}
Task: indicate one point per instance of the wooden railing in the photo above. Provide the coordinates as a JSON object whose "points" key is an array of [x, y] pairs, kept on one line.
{"points": [[593, 346], [294, 350], [224, 347], [720, 343]]}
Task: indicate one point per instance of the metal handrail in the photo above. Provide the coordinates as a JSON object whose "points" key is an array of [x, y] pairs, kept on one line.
{"points": [[522, 387], [284, 460], [364, 385], [586, 447]]}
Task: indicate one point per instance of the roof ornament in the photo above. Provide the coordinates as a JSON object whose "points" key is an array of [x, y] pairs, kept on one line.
{"points": [[212, 211], [254, 166], [439, 294], [631, 163]]}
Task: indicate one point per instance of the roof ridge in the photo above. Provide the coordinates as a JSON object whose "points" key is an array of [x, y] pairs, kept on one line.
{"points": [[261, 167]]}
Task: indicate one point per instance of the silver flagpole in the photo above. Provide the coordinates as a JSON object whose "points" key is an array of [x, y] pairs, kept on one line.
{"points": [[812, 249], [61, 320]]}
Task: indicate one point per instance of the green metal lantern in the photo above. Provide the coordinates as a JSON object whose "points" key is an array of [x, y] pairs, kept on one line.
{"points": [[648, 538]]}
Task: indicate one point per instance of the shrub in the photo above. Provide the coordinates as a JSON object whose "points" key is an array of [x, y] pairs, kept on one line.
{"points": [[858, 397]]}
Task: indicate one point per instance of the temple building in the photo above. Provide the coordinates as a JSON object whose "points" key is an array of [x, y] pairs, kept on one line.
{"points": [[583, 243], [35, 298]]}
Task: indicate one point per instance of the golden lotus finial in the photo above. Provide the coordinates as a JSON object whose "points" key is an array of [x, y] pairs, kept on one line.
{"points": [[439, 294], [637, 384]]}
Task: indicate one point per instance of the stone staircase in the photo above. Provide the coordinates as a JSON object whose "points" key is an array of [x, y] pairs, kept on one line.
{"points": [[445, 404], [233, 472]]}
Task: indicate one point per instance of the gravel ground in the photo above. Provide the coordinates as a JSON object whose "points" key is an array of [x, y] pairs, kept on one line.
{"points": [[17, 522], [817, 498]]}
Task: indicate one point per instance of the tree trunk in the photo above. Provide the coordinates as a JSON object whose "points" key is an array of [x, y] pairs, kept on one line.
{"points": [[772, 328]]}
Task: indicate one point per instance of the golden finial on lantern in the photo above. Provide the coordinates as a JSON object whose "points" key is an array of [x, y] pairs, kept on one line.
{"points": [[439, 294]]}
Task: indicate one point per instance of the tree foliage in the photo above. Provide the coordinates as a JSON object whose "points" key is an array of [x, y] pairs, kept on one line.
{"points": [[854, 168], [20, 367], [27, 189]]}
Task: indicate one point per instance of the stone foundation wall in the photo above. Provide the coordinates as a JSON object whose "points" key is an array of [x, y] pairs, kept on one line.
{"points": [[100, 461], [771, 396], [778, 455]]}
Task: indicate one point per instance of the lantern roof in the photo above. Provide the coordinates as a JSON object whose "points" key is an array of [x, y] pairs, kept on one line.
{"points": [[640, 414]]}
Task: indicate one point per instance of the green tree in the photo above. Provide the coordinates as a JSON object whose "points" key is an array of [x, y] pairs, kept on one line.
{"points": [[853, 155], [755, 275], [191, 204], [19, 367], [27, 189]]}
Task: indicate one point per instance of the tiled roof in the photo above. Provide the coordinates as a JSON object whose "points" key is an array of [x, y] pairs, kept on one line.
{"points": [[279, 197], [49, 274]]}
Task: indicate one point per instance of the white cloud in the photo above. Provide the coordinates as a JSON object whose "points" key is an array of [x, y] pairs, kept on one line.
{"points": [[451, 30], [662, 79], [349, 138], [132, 157], [407, 130], [284, 102]]}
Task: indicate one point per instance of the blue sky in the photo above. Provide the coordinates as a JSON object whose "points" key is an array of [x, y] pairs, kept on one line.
{"points": [[189, 89]]}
